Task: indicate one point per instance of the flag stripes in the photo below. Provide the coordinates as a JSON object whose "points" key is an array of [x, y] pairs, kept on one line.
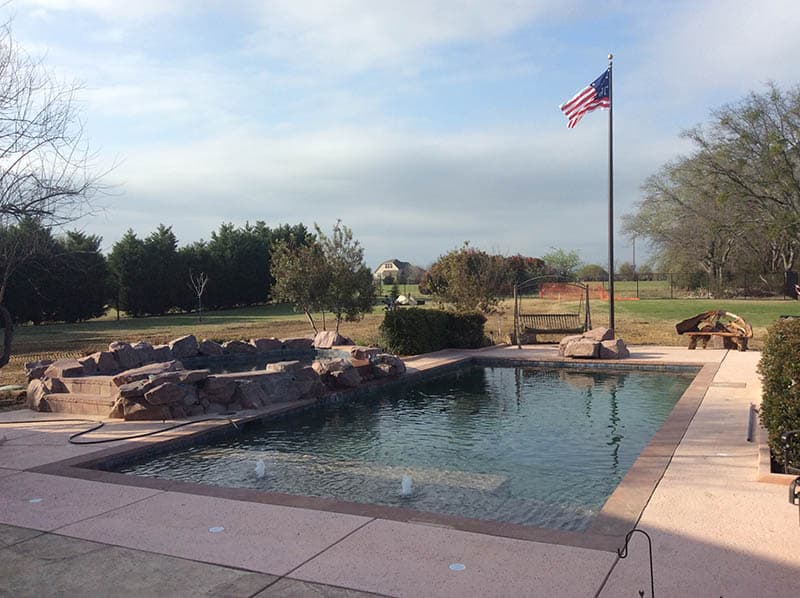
{"points": [[593, 96]]}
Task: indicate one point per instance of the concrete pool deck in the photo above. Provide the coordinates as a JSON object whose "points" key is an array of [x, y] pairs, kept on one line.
{"points": [[716, 530]]}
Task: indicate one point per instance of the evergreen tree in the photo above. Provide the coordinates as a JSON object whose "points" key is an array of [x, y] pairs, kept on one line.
{"points": [[128, 262]]}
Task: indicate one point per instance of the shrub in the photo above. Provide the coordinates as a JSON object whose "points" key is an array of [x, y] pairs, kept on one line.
{"points": [[411, 331], [780, 373]]}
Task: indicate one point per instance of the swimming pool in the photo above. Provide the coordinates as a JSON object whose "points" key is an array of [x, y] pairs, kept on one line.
{"points": [[523, 445]]}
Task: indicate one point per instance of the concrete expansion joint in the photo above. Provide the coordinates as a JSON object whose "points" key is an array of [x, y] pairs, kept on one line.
{"points": [[102, 514]]}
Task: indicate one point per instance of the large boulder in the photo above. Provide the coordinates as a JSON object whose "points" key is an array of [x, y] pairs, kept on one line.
{"points": [[35, 399], [126, 357], [146, 352], [599, 334], [280, 387], [36, 369], [136, 411], [387, 365], [193, 376], [284, 366], [191, 395], [583, 349], [209, 348], [178, 411], [266, 345], [326, 339], [594, 344], [89, 365], [250, 395], [146, 371], [64, 368], [106, 362], [359, 352], [165, 394], [184, 346], [364, 368], [298, 344], [133, 390], [218, 389], [347, 378], [308, 383], [562, 345], [337, 373], [162, 353], [238, 347], [614, 349], [118, 409]]}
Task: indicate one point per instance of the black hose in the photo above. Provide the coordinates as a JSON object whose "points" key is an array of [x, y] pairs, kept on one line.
{"points": [[623, 553], [100, 424]]}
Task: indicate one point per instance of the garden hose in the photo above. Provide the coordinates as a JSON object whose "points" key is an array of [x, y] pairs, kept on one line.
{"points": [[100, 424]]}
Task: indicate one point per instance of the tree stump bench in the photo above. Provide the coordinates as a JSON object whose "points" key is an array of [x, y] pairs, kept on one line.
{"points": [[733, 330], [730, 340]]}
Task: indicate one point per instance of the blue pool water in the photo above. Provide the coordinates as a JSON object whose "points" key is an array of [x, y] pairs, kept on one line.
{"points": [[532, 446]]}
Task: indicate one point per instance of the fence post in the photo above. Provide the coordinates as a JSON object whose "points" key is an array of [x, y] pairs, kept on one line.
{"points": [[636, 276], [671, 296]]}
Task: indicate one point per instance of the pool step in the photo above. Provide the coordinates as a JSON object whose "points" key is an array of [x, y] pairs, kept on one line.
{"points": [[91, 385], [79, 403]]}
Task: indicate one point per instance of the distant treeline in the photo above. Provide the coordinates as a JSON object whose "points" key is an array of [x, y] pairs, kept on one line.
{"points": [[67, 277]]}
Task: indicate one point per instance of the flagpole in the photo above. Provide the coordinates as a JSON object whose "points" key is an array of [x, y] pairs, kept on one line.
{"points": [[610, 199]]}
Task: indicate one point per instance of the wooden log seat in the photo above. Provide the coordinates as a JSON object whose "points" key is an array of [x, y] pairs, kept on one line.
{"points": [[730, 340], [533, 324], [733, 330]]}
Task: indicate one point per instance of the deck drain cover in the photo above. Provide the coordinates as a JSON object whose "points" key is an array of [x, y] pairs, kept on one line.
{"points": [[216, 529], [457, 567], [36, 500]]}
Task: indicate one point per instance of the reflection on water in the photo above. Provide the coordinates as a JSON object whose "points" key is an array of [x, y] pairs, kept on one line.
{"points": [[533, 446]]}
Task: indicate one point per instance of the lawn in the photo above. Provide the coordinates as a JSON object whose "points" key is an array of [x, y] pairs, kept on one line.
{"points": [[648, 321]]}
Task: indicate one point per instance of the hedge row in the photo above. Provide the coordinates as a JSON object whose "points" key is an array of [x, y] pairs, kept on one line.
{"points": [[780, 373], [411, 331]]}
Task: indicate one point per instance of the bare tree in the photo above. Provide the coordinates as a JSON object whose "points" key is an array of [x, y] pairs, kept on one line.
{"points": [[198, 285], [47, 171]]}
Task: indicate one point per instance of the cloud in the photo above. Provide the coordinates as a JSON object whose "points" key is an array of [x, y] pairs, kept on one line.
{"points": [[357, 35], [138, 10], [702, 47], [406, 193]]}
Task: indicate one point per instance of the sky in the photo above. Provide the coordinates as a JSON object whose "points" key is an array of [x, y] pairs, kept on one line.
{"points": [[421, 124]]}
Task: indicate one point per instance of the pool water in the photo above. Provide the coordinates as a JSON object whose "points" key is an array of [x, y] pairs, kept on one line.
{"points": [[531, 446]]}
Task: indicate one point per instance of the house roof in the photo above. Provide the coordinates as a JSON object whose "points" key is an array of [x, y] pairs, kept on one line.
{"points": [[400, 265]]}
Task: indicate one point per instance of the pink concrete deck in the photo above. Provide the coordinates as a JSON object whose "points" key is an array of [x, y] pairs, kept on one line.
{"points": [[717, 531]]}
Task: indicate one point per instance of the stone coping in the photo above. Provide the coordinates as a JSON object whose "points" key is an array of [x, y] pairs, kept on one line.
{"points": [[619, 514]]}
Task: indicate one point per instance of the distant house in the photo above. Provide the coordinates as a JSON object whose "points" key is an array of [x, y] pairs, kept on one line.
{"points": [[395, 271]]}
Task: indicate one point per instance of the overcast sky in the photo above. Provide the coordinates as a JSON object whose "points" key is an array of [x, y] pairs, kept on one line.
{"points": [[419, 123]]}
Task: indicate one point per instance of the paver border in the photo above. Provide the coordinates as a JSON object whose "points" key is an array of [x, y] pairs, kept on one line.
{"points": [[618, 515]]}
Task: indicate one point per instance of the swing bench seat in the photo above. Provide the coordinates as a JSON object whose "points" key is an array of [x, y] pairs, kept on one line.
{"points": [[533, 324]]}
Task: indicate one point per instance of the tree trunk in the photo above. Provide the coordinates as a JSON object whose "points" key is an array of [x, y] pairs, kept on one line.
{"points": [[311, 320], [8, 327]]}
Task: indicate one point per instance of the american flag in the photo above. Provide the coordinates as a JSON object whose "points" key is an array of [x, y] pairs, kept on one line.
{"points": [[593, 96]]}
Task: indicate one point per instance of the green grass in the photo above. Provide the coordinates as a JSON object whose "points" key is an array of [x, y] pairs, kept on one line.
{"points": [[760, 313]]}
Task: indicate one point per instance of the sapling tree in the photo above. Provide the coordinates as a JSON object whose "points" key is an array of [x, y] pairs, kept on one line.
{"points": [[198, 282]]}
